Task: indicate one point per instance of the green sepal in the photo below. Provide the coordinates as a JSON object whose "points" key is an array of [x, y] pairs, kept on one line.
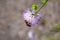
{"points": [[34, 6]]}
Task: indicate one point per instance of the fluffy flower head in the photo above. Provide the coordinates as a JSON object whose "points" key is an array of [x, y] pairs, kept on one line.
{"points": [[30, 16]]}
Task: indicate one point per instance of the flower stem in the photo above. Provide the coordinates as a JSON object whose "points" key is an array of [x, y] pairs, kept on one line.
{"points": [[41, 5]]}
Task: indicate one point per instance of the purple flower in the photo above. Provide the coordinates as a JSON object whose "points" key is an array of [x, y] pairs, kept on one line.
{"points": [[30, 17]]}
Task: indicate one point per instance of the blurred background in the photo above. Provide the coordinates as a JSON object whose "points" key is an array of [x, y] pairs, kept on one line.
{"points": [[12, 24]]}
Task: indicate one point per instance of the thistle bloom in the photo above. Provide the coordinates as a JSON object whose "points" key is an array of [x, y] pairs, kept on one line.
{"points": [[31, 17]]}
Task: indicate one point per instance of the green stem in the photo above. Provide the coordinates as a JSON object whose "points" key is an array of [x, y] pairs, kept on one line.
{"points": [[41, 5], [38, 7]]}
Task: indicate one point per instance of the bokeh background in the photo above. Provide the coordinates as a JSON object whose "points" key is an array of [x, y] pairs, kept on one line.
{"points": [[13, 27]]}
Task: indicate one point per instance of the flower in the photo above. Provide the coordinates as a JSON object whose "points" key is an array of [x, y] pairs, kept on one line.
{"points": [[31, 17]]}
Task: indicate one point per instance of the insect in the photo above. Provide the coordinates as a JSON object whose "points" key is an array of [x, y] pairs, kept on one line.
{"points": [[27, 23]]}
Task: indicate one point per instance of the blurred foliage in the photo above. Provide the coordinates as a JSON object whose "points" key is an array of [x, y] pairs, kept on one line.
{"points": [[58, 0], [56, 28], [52, 38]]}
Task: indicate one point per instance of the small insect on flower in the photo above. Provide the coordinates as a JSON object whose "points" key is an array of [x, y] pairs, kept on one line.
{"points": [[31, 19], [32, 15], [27, 23]]}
